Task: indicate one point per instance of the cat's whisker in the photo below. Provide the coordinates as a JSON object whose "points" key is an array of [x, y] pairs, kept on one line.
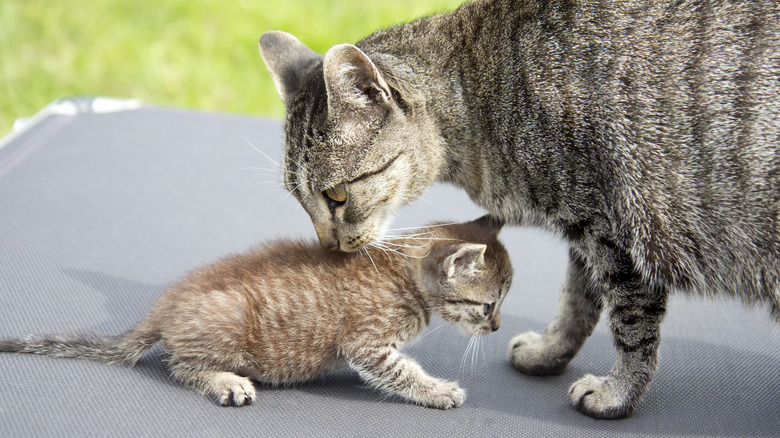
{"points": [[370, 258], [410, 199], [264, 183], [290, 192], [387, 249], [427, 226], [394, 243], [398, 251], [401, 245], [426, 201], [292, 172], [374, 245], [274, 171], [262, 153]]}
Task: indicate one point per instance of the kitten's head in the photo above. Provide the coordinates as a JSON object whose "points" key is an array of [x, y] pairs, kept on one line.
{"points": [[357, 142], [467, 274]]}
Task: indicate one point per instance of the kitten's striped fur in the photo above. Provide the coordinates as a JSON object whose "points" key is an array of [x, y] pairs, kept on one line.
{"points": [[291, 311]]}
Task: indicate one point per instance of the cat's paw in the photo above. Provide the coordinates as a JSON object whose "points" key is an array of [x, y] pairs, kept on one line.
{"points": [[443, 395], [235, 390], [533, 353], [600, 397]]}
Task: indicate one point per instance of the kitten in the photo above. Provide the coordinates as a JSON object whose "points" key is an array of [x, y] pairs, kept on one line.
{"points": [[291, 311], [645, 132]]}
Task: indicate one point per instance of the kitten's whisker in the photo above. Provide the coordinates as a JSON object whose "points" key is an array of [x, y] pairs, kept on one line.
{"points": [[466, 354], [433, 309], [482, 349], [475, 353], [431, 331]]}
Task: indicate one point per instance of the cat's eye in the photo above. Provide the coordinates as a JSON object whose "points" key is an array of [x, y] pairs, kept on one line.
{"points": [[337, 193], [487, 308]]}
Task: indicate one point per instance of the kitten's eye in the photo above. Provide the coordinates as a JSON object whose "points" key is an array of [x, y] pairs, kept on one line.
{"points": [[337, 193], [487, 308]]}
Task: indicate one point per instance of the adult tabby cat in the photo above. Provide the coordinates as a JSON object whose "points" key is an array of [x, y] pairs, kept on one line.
{"points": [[645, 132], [292, 311]]}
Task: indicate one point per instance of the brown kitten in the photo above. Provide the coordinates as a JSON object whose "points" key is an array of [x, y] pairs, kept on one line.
{"points": [[291, 311]]}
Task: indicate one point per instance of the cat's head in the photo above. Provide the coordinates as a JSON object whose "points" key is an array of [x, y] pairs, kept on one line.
{"points": [[357, 142], [467, 274]]}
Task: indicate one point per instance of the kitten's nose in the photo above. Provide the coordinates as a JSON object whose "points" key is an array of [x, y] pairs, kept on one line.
{"points": [[495, 323]]}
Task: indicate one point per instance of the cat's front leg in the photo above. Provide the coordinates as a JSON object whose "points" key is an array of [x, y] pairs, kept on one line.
{"points": [[388, 369], [549, 353], [635, 313]]}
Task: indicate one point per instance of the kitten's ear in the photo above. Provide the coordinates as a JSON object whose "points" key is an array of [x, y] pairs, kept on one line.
{"points": [[288, 60], [465, 261], [490, 223], [352, 79]]}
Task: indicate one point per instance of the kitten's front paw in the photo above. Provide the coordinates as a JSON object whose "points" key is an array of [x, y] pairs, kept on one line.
{"points": [[236, 391], [599, 397], [533, 353], [443, 395]]}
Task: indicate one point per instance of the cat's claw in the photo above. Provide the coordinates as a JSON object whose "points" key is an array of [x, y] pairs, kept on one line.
{"points": [[240, 392], [600, 397], [533, 354]]}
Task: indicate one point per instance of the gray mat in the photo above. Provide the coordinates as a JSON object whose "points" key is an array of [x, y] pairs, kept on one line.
{"points": [[99, 213]]}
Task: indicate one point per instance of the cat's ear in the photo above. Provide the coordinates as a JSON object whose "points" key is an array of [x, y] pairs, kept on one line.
{"points": [[490, 223], [465, 261], [288, 60], [352, 80]]}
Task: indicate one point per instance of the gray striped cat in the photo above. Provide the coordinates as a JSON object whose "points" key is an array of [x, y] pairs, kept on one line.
{"points": [[291, 311], [644, 132]]}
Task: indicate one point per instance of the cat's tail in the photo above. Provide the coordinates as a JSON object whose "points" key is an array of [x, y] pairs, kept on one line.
{"points": [[125, 349]]}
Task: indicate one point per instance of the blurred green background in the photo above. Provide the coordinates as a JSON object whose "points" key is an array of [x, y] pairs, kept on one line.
{"points": [[187, 53]]}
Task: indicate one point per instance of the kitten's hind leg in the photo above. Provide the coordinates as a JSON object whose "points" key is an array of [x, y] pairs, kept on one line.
{"points": [[229, 389], [389, 370], [549, 353]]}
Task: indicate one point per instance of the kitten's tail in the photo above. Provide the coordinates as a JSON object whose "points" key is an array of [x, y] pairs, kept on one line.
{"points": [[125, 349]]}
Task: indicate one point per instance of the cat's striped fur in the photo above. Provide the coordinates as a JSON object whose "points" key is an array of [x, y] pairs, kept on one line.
{"points": [[645, 132]]}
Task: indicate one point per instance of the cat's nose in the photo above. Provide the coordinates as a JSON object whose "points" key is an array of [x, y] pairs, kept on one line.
{"points": [[495, 323], [329, 243]]}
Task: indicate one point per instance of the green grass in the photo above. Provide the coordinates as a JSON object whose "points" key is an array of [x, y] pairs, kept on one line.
{"points": [[187, 53]]}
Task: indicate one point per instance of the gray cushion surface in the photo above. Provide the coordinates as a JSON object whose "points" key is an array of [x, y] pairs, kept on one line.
{"points": [[99, 213]]}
